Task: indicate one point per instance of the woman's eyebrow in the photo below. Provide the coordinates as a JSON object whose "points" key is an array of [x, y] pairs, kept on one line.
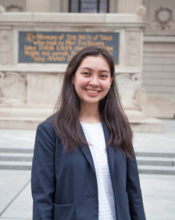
{"points": [[101, 71]]}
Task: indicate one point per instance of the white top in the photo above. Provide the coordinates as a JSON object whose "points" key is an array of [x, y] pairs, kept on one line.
{"points": [[96, 140]]}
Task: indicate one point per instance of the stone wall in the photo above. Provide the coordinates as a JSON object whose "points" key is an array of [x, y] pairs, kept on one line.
{"points": [[28, 91], [159, 57]]}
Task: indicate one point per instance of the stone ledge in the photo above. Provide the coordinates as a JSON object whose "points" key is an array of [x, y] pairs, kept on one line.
{"points": [[71, 18], [147, 125]]}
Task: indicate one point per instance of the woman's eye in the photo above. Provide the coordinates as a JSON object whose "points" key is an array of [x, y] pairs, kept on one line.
{"points": [[103, 76], [86, 74]]}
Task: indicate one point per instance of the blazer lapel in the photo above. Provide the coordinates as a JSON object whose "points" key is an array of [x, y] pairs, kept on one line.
{"points": [[110, 152], [87, 153]]}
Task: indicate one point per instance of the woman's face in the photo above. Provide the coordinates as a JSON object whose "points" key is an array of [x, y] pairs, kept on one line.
{"points": [[92, 79]]}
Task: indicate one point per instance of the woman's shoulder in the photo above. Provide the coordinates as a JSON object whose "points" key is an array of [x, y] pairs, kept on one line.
{"points": [[47, 125]]}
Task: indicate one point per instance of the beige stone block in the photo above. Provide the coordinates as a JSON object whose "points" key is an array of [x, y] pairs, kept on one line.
{"points": [[161, 55], [134, 115], [158, 74], [43, 88], [159, 68], [128, 6], [26, 112], [160, 89], [38, 5], [68, 17], [112, 6], [159, 82], [160, 39], [147, 125], [159, 47], [64, 5], [122, 18], [16, 17], [17, 123], [159, 60], [160, 107]]}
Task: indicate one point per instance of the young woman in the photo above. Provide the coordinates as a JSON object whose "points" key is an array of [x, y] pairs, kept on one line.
{"points": [[84, 166]]}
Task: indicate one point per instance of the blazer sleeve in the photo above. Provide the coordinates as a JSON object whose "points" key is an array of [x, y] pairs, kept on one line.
{"points": [[134, 191], [42, 182]]}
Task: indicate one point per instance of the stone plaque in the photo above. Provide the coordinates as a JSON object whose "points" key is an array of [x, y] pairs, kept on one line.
{"points": [[60, 47]]}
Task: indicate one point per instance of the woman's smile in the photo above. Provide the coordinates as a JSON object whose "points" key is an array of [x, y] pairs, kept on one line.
{"points": [[92, 92]]}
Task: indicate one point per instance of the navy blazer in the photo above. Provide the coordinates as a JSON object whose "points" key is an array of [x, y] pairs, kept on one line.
{"points": [[64, 184]]}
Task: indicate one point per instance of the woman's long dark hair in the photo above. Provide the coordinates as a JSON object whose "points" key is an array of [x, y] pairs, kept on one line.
{"points": [[66, 119]]}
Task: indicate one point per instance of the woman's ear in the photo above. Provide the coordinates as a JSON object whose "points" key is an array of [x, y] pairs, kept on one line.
{"points": [[72, 79], [112, 78]]}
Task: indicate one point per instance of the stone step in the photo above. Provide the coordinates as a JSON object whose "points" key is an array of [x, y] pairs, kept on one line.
{"points": [[155, 154], [138, 154], [16, 150], [20, 123], [164, 170], [16, 157], [158, 161], [15, 165], [148, 162]]}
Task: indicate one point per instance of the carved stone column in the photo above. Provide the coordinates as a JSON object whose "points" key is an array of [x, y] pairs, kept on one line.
{"points": [[38, 5], [128, 6]]}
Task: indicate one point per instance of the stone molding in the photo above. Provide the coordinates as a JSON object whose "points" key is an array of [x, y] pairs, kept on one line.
{"points": [[133, 50], [5, 47], [72, 18]]}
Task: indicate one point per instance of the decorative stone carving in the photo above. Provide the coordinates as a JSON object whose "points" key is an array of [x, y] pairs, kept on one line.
{"points": [[141, 10], [133, 49], [5, 42], [14, 8], [2, 9], [131, 92], [13, 88], [160, 17], [163, 18], [43, 88]]}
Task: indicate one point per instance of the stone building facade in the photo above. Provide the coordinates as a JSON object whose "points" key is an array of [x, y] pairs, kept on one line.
{"points": [[146, 84]]}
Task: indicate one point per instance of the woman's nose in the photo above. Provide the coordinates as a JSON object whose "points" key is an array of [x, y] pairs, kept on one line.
{"points": [[94, 81]]}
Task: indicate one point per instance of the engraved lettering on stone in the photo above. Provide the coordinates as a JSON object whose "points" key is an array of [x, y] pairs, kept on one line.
{"points": [[13, 88], [131, 92], [4, 47]]}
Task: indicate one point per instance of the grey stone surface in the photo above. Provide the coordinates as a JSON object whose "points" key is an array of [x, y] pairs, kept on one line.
{"points": [[158, 196], [158, 190], [11, 183], [17, 138], [164, 142], [21, 208]]}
